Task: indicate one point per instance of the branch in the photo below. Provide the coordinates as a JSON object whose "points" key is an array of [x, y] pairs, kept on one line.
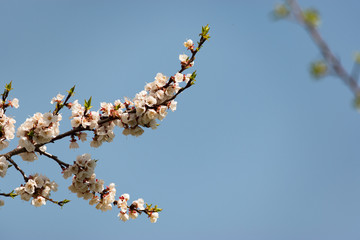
{"points": [[324, 49], [204, 36]]}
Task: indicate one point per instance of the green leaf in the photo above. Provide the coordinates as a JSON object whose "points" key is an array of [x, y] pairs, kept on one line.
{"points": [[356, 102], [357, 57], [12, 194], [318, 69], [311, 17], [31, 133], [8, 86], [87, 104], [193, 76], [71, 91], [281, 11], [204, 32], [63, 202]]}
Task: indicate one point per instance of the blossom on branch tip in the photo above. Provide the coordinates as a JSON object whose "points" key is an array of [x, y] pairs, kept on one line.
{"points": [[57, 99], [189, 44], [153, 217], [14, 103]]}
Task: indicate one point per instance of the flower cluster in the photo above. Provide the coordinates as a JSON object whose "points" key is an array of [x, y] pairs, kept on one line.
{"points": [[80, 116], [7, 127], [134, 208], [3, 166], [37, 187], [85, 184], [149, 105], [40, 128]]}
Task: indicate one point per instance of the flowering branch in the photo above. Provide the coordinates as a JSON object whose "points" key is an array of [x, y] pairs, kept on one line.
{"points": [[36, 132]]}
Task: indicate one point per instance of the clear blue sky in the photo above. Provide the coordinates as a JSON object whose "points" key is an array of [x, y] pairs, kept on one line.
{"points": [[256, 150]]}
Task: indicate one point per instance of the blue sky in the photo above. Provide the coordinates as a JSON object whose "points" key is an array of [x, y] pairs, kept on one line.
{"points": [[256, 150]]}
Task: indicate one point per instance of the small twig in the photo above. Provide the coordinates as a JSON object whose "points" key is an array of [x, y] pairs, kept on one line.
{"points": [[62, 164], [12, 194], [18, 168], [60, 106], [61, 203]]}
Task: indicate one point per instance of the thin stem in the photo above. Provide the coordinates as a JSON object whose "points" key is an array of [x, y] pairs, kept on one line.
{"points": [[18, 168], [60, 106], [62, 164], [8, 194], [61, 203]]}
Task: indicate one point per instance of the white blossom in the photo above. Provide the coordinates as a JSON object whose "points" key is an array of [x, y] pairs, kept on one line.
{"points": [[133, 214], [189, 43], [150, 101], [123, 216], [179, 77], [183, 57], [38, 202], [58, 98], [73, 145], [3, 166], [30, 186], [28, 156], [82, 137], [173, 105], [15, 103], [154, 217]]}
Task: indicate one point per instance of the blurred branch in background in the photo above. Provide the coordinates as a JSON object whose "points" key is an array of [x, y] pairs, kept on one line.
{"points": [[329, 65]]}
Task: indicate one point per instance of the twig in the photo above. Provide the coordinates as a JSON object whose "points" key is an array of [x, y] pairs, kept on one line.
{"points": [[18, 168], [325, 50], [12, 194], [62, 164], [61, 203]]}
